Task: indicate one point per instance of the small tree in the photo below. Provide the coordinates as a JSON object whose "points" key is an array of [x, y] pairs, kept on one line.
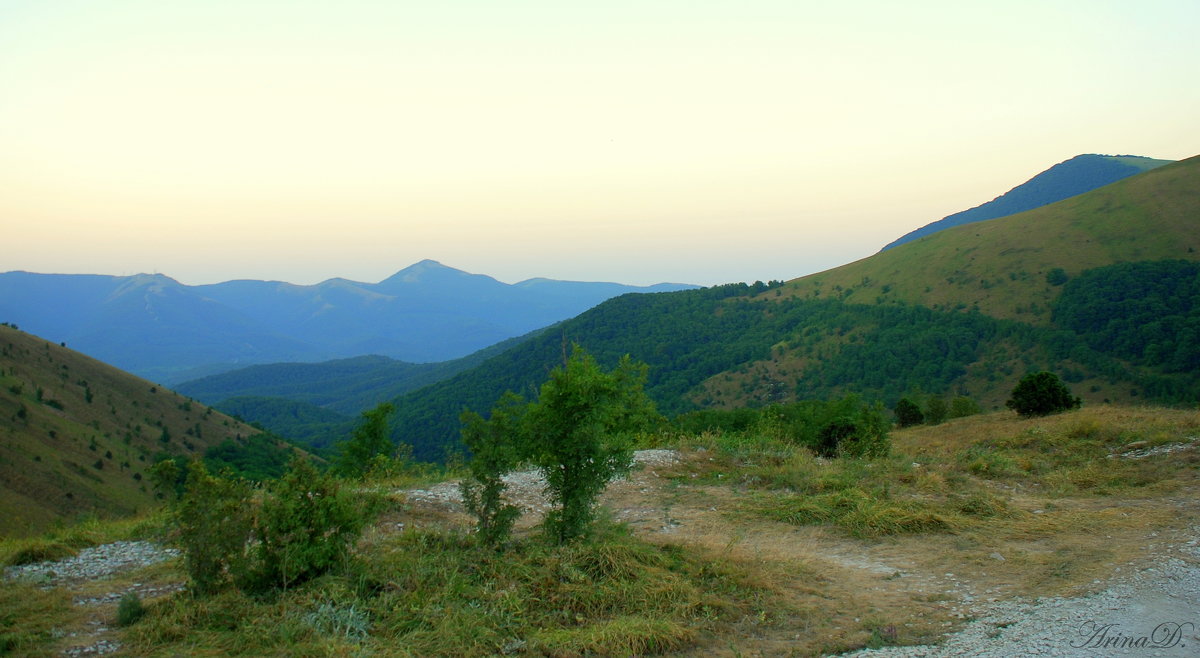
{"points": [[371, 438], [580, 435], [936, 410], [495, 446], [214, 517], [305, 528], [908, 413], [1040, 394]]}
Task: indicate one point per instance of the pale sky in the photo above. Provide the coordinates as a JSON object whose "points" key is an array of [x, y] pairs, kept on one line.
{"points": [[644, 141]]}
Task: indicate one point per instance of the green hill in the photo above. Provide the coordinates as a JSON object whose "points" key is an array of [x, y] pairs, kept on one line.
{"points": [[966, 311], [77, 436], [1080, 174], [1000, 266]]}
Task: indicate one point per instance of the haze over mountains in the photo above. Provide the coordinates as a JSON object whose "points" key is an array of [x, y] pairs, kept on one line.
{"points": [[158, 328]]}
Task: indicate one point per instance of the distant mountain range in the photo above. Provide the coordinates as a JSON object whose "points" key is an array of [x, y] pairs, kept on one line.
{"points": [[158, 328], [1080, 174]]}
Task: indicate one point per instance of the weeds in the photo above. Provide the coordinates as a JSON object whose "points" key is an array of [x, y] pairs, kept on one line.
{"points": [[438, 593]]}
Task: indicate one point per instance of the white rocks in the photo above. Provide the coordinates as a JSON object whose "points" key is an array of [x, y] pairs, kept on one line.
{"points": [[94, 562], [526, 488], [1137, 449]]}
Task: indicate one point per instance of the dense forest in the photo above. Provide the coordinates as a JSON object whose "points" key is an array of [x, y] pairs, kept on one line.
{"points": [[1132, 324]]}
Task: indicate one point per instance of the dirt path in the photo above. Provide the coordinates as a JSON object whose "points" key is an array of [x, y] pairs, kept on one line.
{"points": [[1063, 591]]}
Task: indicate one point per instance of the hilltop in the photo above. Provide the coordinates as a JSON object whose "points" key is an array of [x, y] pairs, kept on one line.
{"points": [[1080, 174], [77, 436]]}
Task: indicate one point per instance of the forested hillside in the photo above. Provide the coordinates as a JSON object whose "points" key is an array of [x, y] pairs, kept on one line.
{"points": [[966, 312]]}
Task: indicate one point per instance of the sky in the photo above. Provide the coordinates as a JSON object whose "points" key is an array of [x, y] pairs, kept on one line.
{"points": [[638, 142]]}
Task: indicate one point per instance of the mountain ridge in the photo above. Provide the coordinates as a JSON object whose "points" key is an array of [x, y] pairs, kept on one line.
{"points": [[157, 327], [1064, 180]]}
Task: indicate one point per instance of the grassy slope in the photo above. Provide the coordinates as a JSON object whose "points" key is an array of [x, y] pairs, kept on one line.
{"points": [[87, 456], [999, 266]]}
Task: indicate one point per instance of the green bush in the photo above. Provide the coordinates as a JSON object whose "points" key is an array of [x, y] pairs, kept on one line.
{"points": [[130, 609], [581, 435], [963, 406], [495, 446], [1040, 394], [908, 413], [300, 527], [305, 528], [936, 410], [214, 518]]}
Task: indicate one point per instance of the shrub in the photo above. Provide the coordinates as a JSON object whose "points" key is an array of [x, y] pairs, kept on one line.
{"points": [[963, 406], [580, 435], [936, 410], [1040, 394], [372, 437], [214, 518], [305, 528], [495, 448], [130, 609], [853, 428], [908, 413]]}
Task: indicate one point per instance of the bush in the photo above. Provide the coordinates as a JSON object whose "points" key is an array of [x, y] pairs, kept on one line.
{"points": [[858, 431], [214, 518], [1041, 394], [936, 411], [908, 413], [495, 446], [580, 435], [130, 609], [963, 406], [305, 528]]}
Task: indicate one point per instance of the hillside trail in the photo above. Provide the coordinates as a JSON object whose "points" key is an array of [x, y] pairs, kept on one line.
{"points": [[955, 595]]}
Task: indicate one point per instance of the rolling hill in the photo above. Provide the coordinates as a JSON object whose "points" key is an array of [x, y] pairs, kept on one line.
{"points": [[1082, 173], [77, 436], [158, 328], [967, 310]]}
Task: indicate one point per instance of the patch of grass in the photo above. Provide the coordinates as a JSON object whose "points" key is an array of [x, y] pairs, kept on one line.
{"points": [[38, 549], [28, 617], [438, 593], [859, 513], [130, 609]]}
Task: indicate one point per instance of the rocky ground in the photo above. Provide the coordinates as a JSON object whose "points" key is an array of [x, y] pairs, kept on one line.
{"points": [[94, 566]]}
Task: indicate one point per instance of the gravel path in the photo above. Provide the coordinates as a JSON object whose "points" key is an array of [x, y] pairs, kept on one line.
{"points": [[95, 563], [92, 563], [525, 488], [1153, 612]]}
